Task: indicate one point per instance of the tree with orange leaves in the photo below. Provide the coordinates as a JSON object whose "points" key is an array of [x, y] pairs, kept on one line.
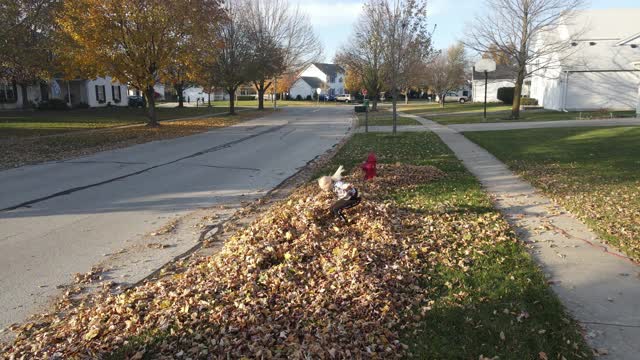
{"points": [[135, 42]]}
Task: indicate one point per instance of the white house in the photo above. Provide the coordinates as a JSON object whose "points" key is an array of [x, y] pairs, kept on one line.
{"points": [[93, 93], [597, 70], [504, 76], [328, 77], [158, 88]]}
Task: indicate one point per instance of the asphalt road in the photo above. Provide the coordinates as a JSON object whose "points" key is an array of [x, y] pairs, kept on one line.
{"points": [[61, 218]]}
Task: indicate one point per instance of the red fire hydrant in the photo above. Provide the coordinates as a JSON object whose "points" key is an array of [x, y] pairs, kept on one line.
{"points": [[369, 167]]}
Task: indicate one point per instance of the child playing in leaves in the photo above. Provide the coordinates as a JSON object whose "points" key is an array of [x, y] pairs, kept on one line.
{"points": [[346, 192]]}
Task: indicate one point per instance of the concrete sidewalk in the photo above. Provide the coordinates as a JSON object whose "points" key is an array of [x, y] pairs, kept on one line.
{"points": [[598, 285]]}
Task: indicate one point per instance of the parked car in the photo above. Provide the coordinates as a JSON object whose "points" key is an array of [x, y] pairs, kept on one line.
{"points": [[454, 97], [137, 101], [344, 98]]}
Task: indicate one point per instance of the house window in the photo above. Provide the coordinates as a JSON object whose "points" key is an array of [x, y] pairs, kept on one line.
{"points": [[100, 94], [340, 80], [8, 93], [332, 78], [465, 93], [116, 94]]}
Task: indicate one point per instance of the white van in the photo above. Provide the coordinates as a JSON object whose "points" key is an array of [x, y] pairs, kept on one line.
{"points": [[344, 98]]}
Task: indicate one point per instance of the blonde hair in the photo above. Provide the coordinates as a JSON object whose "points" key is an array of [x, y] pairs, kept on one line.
{"points": [[325, 183]]}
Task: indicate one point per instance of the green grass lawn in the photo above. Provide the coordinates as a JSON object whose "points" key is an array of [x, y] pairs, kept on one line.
{"points": [[431, 108], [281, 103], [533, 115], [18, 151], [592, 172], [38, 123], [384, 118], [500, 305]]}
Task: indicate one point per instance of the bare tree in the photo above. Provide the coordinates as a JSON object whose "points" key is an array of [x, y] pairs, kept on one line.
{"points": [[363, 56], [228, 56], [406, 39], [525, 31], [282, 41], [446, 72]]}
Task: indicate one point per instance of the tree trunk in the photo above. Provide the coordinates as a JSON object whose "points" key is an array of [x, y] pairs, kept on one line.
{"points": [[262, 88], [394, 100], [23, 91], [232, 100], [517, 93], [151, 107], [260, 98], [406, 97], [209, 98], [374, 107], [179, 87]]}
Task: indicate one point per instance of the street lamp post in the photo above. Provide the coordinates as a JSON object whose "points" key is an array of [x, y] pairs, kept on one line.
{"points": [[318, 91], [486, 66]]}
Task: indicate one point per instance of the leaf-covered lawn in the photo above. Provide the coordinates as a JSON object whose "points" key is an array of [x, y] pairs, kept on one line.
{"points": [[487, 297], [425, 269], [16, 124], [20, 151], [532, 115], [384, 118], [592, 172]]}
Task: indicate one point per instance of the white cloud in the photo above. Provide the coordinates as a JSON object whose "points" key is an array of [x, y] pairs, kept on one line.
{"points": [[329, 14]]}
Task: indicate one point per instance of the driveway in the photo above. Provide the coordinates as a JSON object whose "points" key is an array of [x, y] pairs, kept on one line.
{"points": [[62, 218]]}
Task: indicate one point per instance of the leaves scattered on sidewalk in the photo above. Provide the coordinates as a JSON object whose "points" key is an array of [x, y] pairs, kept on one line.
{"points": [[591, 172], [18, 152]]}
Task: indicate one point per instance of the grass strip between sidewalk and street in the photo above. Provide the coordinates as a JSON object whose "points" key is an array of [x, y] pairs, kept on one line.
{"points": [[591, 172], [18, 152], [426, 268]]}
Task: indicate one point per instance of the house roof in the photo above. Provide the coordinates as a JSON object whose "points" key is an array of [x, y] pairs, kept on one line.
{"points": [[603, 40], [313, 81], [329, 69], [502, 72], [604, 24]]}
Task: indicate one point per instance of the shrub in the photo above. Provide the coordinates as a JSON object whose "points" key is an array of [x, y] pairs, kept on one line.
{"points": [[528, 101], [505, 94], [309, 97], [53, 104], [246, 97], [299, 97], [360, 108]]}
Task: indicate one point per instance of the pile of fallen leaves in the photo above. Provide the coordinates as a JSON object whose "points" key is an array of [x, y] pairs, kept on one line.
{"points": [[295, 284]]}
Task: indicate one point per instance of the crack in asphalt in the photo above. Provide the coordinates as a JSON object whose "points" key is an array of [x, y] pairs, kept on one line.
{"points": [[199, 153], [102, 162], [226, 167]]}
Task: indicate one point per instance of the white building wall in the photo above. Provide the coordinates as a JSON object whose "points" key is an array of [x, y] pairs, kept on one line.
{"points": [[602, 90], [336, 87], [492, 89], [313, 71], [300, 87], [91, 98]]}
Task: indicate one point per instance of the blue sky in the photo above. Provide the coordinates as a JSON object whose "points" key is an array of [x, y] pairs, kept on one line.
{"points": [[333, 19]]}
